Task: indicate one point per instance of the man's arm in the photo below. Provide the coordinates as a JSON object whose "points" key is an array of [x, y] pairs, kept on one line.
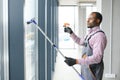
{"points": [[76, 39], [98, 50], [99, 44]]}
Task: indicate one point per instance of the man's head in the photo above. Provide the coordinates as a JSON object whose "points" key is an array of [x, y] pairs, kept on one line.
{"points": [[94, 19]]}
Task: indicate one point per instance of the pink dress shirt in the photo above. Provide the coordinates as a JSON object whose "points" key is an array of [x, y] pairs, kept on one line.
{"points": [[97, 43]]}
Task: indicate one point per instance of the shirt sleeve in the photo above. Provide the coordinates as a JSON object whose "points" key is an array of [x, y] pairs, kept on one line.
{"points": [[76, 39], [99, 44]]}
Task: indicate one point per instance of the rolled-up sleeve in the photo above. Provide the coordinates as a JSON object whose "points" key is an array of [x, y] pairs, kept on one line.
{"points": [[98, 44]]}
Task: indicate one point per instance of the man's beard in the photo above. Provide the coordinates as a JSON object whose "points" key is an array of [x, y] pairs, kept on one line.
{"points": [[90, 26]]}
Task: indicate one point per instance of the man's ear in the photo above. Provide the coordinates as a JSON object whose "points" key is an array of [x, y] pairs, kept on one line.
{"points": [[98, 21]]}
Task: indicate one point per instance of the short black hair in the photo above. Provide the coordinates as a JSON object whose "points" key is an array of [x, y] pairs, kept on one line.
{"points": [[98, 16]]}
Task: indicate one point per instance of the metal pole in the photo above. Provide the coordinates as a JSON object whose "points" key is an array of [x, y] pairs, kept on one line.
{"points": [[33, 21], [49, 40], [111, 35]]}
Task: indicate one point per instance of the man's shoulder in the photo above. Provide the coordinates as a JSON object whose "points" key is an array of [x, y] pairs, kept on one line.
{"points": [[98, 35]]}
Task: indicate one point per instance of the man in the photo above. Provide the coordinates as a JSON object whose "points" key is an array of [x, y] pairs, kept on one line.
{"points": [[94, 43]]}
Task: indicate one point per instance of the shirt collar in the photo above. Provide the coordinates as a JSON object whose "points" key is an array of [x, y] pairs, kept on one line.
{"points": [[93, 29]]}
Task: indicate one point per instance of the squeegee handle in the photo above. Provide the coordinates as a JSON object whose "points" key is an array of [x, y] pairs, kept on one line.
{"points": [[33, 21], [50, 41], [57, 48]]}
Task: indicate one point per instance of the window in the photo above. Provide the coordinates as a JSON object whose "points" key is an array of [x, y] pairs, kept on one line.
{"points": [[67, 14], [31, 48]]}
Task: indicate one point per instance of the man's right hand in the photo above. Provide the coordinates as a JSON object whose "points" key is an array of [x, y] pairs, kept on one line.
{"points": [[68, 30]]}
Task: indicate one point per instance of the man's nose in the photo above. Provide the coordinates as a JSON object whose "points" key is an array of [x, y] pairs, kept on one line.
{"points": [[87, 20]]}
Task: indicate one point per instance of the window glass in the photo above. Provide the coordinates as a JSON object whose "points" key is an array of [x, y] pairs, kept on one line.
{"points": [[31, 54], [67, 14]]}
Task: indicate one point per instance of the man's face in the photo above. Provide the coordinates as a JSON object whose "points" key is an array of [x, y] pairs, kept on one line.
{"points": [[92, 21]]}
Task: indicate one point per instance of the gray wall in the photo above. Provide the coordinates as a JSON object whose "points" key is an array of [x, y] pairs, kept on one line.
{"points": [[105, 9], [16, 39]]}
